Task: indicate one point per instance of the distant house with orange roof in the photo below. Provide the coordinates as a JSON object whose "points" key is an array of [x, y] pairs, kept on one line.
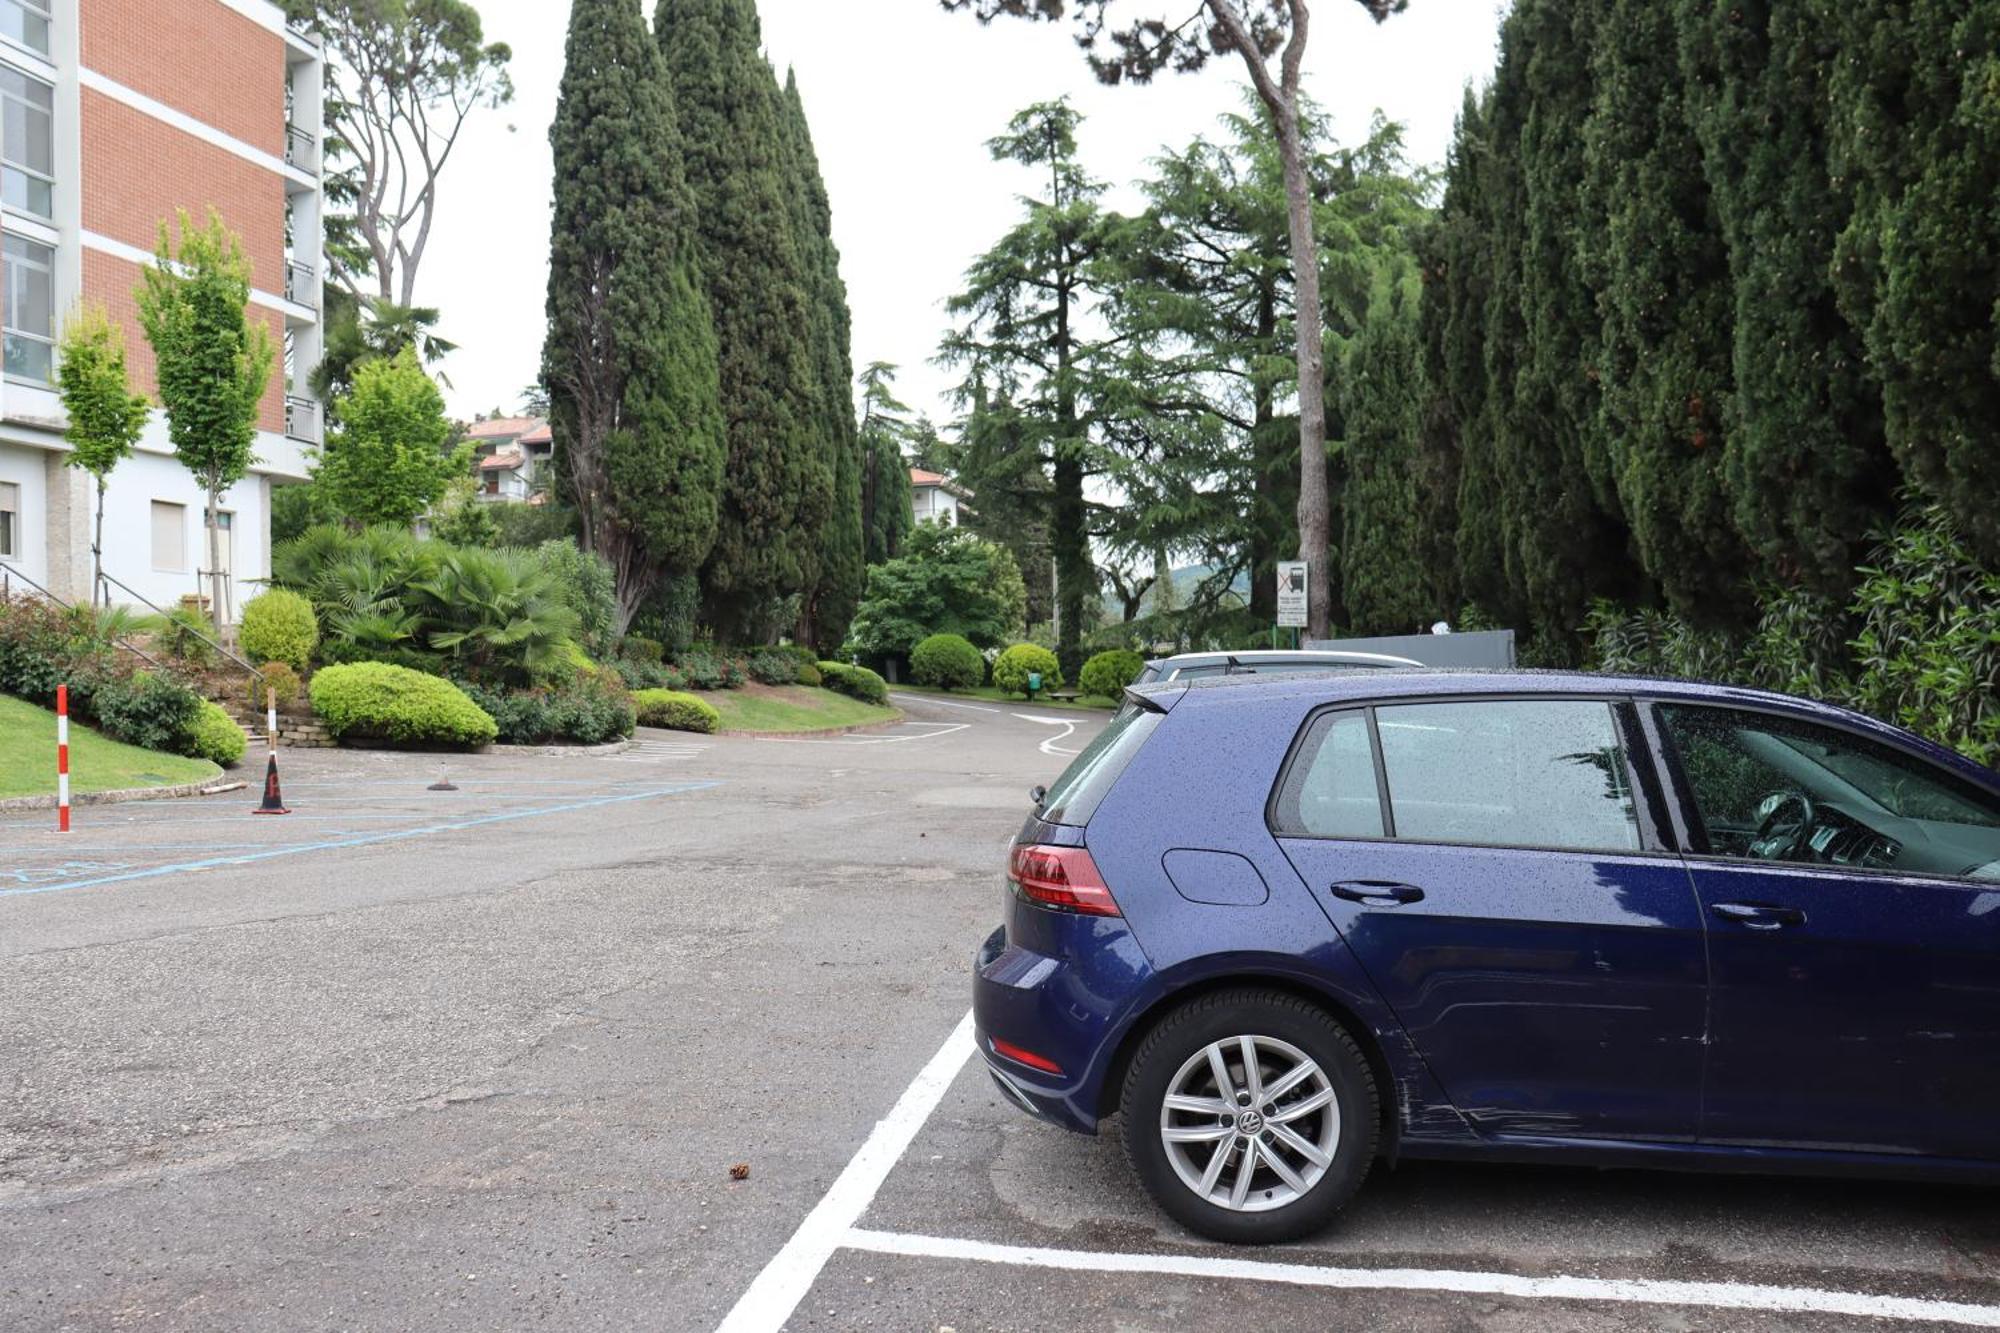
{"points": [[935, 498], [512, 456]]}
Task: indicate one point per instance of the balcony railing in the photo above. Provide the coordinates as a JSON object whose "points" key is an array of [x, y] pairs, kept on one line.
{"points": [[301, 284], [301, 149], [302, 419]]}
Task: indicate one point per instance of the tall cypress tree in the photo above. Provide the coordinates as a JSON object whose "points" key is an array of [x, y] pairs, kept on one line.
{"points": [[1916, 134], [777, 483], [1667, 303], [1387, 588], [630, 360], [1806, 465], [828, 604], [886, 513]]}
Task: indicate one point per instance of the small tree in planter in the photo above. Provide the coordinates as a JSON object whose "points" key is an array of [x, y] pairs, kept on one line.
{"points": [[212, 363], [105, 417]]}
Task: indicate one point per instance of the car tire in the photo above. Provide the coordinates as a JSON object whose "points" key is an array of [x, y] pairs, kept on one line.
{"points": [[1178, 1058]]}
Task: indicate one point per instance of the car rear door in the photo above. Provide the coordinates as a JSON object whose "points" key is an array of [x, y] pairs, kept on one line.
{"points": [[1490, 865], [1856, 963]]}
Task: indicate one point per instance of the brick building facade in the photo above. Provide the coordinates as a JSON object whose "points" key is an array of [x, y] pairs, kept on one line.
{"points": [[114, 115]]}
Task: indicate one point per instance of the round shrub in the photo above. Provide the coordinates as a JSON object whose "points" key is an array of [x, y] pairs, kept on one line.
{"points": [[1107, 674], [272, 678], [1012, 668], [638, 648], [857, 682], [774, 666], [809, 674], [676, 711], [153, 712], [217, 738], [279, 626], [376, 701], [948, 661]]}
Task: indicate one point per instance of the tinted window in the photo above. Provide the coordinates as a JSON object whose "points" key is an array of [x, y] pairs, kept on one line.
{"points": [[1506, 772], [1866, 805], [1330, 790], [1089, 777]]}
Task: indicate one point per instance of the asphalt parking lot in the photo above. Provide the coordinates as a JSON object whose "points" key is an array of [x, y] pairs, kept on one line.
{"points": [[486, 1058]]}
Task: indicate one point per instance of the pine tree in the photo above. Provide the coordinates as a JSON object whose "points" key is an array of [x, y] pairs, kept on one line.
{"points": [[886, 516], [829, 602], [1806, 464], [1667, 302], [1915, 94], [777, 484], [630, 361]]}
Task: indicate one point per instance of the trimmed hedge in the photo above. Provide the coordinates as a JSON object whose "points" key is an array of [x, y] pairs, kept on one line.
{"points": [[1011, 669], [217, 738], [676, 711], [280, 626], [948, 661], [809, 674], [376, 701], [856, 682], [1108, 673]]}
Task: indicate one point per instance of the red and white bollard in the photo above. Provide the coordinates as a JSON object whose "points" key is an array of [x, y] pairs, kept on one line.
{"points": [[62, 758]]}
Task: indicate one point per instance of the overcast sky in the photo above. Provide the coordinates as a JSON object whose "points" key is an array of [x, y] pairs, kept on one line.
{"points": [[902, 97]]}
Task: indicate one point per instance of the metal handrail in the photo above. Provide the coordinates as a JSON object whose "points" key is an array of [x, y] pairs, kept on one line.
{"points": [[8, 573], [182, 625], [301, 283], [302, 421], [300, 144]]}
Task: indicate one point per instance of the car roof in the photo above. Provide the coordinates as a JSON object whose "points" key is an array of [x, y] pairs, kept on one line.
{"points": [[1462, 682]]}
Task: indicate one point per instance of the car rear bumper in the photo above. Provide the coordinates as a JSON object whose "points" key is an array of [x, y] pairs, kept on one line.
{"points": [[1058, 1007]]}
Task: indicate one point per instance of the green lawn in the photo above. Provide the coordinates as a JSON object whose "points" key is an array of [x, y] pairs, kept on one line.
{"points": [[793, 708], [1089, 702], [28, 758]]}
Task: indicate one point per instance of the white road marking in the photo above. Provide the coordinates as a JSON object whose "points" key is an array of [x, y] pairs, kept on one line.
{"points": [[945, 703], [1049, 746], [942, 729], [777, 1290], [1633, 1291]]}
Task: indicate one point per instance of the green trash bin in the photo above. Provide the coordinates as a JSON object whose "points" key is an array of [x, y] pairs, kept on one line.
{"points": [[1034, 682]]}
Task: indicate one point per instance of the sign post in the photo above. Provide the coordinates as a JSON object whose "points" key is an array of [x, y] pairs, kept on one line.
{"points": [[1292, 599]]}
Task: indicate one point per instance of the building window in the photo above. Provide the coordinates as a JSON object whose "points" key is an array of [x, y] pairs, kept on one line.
{"points": [[27, 143], [30, 281], [10, 520], [169, 537], [26, 22]]}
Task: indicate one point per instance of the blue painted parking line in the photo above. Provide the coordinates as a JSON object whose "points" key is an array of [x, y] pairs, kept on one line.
{"points": [[367, 840]]}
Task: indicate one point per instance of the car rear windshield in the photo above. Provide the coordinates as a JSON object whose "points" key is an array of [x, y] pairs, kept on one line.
{"points": [[1091, 775]]}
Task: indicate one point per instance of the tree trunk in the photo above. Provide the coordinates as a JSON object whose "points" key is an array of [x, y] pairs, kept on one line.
{"points": [[215, 560], [97, 553], [1315, 500]]}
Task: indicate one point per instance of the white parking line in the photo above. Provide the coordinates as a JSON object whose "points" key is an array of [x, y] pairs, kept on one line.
{"points": [[1633, 1291], [777, 1290], [1049, 746], [945, 703]]}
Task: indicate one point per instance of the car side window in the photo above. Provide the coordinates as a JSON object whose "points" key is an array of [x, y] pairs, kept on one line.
{"points": [[1509, 772], [1330, 791], [1772, 788]]}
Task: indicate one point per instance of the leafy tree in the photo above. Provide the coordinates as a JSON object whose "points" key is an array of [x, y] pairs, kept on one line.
{"points": [[1915, 134], [947, 581], [630, 359], [1666, 300], [1026, 305], [885, 499], [402, 79], [778, 486], [211, 362], [1259, 33], [1806, 463], [105, 417], [389, 459], [828, 602]]}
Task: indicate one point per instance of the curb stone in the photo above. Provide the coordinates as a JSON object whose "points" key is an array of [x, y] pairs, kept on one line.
{"points": [[212, 787]]}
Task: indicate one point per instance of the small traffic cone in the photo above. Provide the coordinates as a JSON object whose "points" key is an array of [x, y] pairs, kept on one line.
{"points": [[274, 802]]}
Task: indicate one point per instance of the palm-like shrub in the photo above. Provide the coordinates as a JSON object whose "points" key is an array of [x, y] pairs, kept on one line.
{"points": [[495, 615]]}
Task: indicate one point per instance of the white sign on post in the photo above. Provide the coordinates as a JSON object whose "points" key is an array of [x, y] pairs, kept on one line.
{"points": [[1292, 594]]}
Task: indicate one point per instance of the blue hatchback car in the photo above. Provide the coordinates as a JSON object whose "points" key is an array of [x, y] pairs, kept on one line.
{"points": [[1286, 927]]}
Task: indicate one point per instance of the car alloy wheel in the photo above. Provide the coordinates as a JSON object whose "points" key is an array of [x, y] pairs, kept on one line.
{"points": [[1250, 1123]]}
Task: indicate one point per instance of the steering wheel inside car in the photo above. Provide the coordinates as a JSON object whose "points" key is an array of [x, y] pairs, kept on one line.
{"points": [[1785, 822]]}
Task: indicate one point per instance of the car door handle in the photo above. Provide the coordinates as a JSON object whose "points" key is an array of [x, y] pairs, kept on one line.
{"points": [[1377, 892], [1760, 916]]}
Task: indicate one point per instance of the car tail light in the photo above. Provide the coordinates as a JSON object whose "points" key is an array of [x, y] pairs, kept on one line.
{"points": [[1064, 878], [1022, 1056]]}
